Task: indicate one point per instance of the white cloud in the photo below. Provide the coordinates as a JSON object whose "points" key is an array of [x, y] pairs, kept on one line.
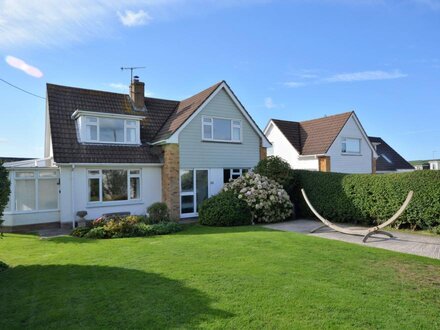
{"points": [[23, 66], [365, 75], [268, 103], [294, 84], [131, 18]]}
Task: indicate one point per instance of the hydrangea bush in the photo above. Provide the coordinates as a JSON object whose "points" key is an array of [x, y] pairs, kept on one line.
{"points": [[267, 199]]}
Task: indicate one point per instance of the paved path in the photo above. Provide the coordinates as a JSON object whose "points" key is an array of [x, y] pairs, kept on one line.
{"points": [[427, 246]]}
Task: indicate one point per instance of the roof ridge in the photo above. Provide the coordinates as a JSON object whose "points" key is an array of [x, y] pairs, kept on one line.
{"points": [[204, 90], [85, 89], [326, 117]]}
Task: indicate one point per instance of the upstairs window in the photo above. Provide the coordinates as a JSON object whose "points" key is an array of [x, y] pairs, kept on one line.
{"points": [[351, 146], [221, 129], [108, 129]]}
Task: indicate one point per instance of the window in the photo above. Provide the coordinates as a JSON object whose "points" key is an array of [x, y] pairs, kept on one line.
{"points": [[109, 130], [387, 159], [220, 129], [114, 185], [351, 146], [35, 191], [233, 173]]}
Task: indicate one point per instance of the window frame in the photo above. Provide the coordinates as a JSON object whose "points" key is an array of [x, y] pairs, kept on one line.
{"points": [[209, 121], [130, 175], [84, 121], [344, 142], [36, 177]]}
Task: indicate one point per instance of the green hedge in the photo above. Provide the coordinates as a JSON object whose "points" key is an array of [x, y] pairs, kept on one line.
{"points": [[371, 199]]}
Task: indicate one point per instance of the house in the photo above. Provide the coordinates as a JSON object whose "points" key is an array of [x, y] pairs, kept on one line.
{"points": [[335, 143], [107, 152], [433, 164], [389, 160]]}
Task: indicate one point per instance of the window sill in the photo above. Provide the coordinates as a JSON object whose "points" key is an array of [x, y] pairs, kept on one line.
{"points": [[29, 212], [350, 154], [91, 205], [220, 141]]}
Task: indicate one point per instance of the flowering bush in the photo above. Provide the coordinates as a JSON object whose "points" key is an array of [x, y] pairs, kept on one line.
{"points": [[267, 199]]}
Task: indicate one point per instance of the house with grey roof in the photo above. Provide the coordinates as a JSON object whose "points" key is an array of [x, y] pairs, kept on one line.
{"points": [[389, 160], [108, 152], [336, 143]]}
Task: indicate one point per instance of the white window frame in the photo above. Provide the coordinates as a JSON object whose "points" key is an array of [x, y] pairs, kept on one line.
{"points": [[85, 122], [130, 175], [209, 121], [36, 177], [235, 171], [344, 140]]}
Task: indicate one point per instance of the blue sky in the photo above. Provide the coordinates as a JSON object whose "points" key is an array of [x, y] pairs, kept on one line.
{"points": [[293, 60]]}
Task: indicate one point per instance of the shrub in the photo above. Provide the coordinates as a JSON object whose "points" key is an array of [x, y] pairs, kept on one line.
{"points": [[5, 189], [225, 209], [3, 266], [275, 168], [129, 226], [266, 198], [371, 199], [158, 212]]}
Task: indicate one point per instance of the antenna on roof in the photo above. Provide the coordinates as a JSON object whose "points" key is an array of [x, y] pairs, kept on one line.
{"points": [[131, 68]]}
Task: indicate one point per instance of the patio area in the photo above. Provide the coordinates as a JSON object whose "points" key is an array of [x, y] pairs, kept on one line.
{"points": [[418, 244]]}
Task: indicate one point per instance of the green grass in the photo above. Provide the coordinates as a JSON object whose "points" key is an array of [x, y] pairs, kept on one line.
{"points": [[232, 278]]}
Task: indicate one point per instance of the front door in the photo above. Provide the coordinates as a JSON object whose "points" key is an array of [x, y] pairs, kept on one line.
{"points": [[194, 189]]}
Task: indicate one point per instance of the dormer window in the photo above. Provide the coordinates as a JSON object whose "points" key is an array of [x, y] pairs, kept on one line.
{"points": [[108, 128]]}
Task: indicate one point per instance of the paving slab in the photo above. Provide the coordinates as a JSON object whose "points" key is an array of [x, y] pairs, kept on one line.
{"points": [[422, 245]]}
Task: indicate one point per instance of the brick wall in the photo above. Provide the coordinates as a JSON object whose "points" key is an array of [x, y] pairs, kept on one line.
{"points": [[170, 179]]}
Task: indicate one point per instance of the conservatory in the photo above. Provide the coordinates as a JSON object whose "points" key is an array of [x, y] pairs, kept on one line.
{"points": [[34, 197]]}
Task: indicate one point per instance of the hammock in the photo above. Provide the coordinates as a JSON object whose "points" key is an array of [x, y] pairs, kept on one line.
{"points": [[361, 232]]}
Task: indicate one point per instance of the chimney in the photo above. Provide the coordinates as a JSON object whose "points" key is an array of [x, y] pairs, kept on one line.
{"points": [[137, 91]]}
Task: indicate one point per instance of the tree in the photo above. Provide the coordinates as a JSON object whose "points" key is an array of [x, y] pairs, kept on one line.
{"points": [[5, 190]]}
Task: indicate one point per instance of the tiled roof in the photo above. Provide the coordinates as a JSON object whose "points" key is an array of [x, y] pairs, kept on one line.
{"points": [[162, 118], [315, 136], [389, 159]]}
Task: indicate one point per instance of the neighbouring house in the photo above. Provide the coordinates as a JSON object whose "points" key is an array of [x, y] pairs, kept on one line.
{"points": [[389, 160], [433, 164], [107, 152], [335, 143]]}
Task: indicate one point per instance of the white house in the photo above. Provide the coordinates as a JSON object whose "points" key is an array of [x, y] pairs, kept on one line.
{"points": [[107, 152], [335, 143], [434, 164]]}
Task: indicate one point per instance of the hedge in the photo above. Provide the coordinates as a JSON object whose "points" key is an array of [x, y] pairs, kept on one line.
{"points": [[371, 199]]}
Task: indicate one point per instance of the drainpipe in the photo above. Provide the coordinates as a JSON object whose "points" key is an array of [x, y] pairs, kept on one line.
{"points": [[72, 189]]}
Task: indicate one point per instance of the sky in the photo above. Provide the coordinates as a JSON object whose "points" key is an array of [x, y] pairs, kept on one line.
{"points": [[292, 60]]}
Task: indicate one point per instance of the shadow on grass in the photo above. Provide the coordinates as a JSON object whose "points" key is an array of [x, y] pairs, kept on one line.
{"points": [[76, 296], [197, 229]]}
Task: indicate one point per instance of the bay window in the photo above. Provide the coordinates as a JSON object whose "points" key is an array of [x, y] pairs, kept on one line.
{"points": [[110, 185], [351, 146], [221, 129]]}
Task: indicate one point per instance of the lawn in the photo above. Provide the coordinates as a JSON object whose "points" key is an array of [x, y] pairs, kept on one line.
{"points": [[244, 277]]}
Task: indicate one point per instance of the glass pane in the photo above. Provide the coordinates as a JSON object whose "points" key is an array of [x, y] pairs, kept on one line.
{"points": [[207, 120], [24, 174], [135, 172], [135, 188], [236, 134], [222, 129], [111, 130], [202, 186], [92, 133], [244, 171], [131, 122], [186, 181], [25, 195], [93, 190], [48, 174], [187, 204], [344, 147], [207, 131], [131, 134], [236, 123], [93, 172], [352, 145], [226, 175], [48, 194], [91, 119], [114, 185]]}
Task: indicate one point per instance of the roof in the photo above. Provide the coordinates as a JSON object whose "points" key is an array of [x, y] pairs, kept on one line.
{"points": [[422, 162], [389, 159], [313, 137], [162, 119]]}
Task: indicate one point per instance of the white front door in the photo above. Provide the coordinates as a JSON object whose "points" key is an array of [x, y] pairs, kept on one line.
{"points": [[194, 189]]}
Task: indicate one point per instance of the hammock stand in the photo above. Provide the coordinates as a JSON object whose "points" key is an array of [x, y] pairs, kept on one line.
{"points": [[360, 232]]}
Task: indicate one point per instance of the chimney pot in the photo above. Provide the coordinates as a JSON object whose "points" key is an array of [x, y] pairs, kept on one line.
{"points": [[137, 92]]}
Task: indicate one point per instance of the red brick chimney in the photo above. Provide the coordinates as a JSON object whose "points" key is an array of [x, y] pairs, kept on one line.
{"points": [[137, 91]]}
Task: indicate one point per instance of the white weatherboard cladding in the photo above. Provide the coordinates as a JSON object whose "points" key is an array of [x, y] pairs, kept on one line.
{"points": [[350, 163], [281, 147], [195, 153], [151, 191]]}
